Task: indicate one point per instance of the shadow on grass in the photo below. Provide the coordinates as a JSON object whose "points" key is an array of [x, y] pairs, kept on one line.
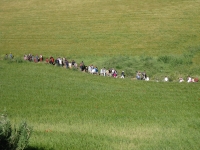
{"points": [[37, 148]]}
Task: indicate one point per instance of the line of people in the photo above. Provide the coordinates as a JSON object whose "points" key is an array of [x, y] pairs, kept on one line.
{"points": [[189, 79], [93, 69], [72, 64], [36, 58], [142, 76], [11, 56]]}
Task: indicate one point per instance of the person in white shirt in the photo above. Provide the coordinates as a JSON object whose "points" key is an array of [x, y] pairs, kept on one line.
{"points": [[101, 71], [181, 79], [122, 75], [94, 71], [147, 79], [104, 71], [60, 61], [166, 79], [89, 69], [189, 79]]}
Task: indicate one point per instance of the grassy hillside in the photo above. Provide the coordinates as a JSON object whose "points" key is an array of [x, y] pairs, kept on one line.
{"points": [[107, 33], [69, 109]]}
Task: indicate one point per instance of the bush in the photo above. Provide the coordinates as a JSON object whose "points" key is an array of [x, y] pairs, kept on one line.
{"points": [[19, 60], [16, 139], [165, 59], [5, 132]]}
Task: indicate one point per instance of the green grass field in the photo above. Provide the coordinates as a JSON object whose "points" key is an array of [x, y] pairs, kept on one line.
{"points": [[99, 28], [74, 110], [69, 109]]}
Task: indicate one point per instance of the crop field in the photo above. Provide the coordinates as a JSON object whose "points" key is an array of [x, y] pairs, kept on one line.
{"points": [[86, 27], [70, 109]]}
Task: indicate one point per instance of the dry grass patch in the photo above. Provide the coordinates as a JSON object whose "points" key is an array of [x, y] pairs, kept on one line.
{"points": [[126, 135]]}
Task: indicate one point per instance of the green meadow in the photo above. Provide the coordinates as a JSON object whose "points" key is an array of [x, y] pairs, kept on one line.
{"points": [[70, 109]]}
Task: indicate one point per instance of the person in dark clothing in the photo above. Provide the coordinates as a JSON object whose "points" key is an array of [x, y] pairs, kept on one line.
{"points": [[122, 74]]}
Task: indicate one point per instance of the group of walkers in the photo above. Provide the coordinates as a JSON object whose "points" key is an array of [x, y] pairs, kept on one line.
{"points": [[36, 58], [63, 62], [189, 79], [91, 68], [142, 76], [9, 56]]}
